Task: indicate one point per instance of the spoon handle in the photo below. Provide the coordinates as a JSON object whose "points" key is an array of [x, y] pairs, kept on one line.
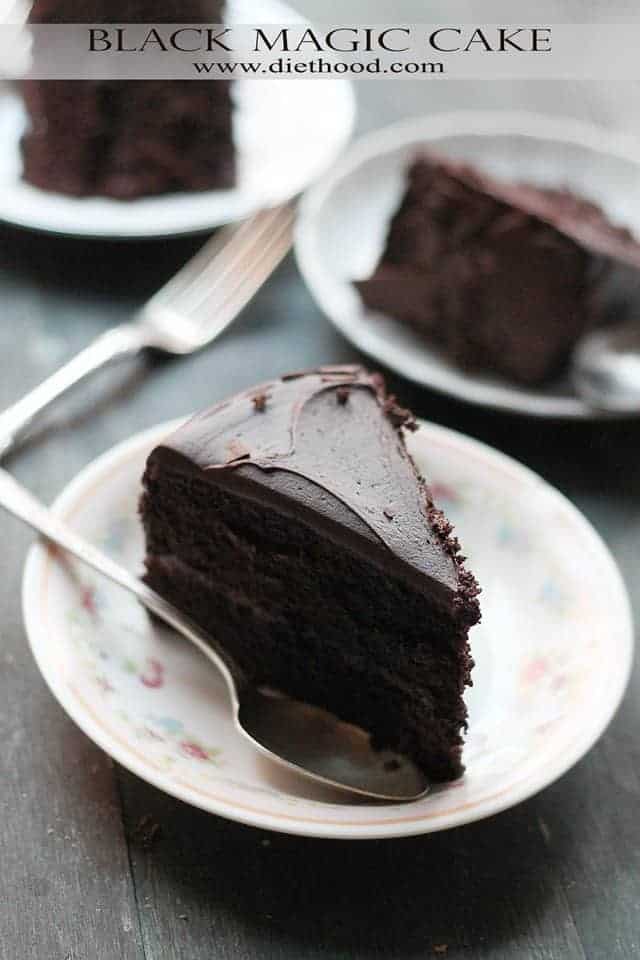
{"points": [[22, 504]]}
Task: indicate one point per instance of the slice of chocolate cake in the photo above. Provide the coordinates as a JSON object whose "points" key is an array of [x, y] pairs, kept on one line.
{"points": [[502, 277], [291, 523], [127, 139]]}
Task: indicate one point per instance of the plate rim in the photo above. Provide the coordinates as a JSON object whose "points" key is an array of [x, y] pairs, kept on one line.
{"points": [[424, 129], [39, 556]]}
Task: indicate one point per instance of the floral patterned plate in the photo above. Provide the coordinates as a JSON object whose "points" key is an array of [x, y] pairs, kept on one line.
{"points": [[553, 652]]}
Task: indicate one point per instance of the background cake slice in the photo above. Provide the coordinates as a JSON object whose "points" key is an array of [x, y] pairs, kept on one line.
{"points": [[126, 139], [503, 277], [291, 523]]}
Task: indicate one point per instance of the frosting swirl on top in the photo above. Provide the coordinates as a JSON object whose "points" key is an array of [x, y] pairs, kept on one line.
{"points": [[328, 444]]}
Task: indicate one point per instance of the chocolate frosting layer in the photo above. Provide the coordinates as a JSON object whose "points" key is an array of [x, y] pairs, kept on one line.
{"points": [[579, 219], [328, 442]]}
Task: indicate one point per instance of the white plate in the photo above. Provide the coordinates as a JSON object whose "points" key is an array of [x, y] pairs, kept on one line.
{"points": [[286, 134], [553, 652], [343, 220]]}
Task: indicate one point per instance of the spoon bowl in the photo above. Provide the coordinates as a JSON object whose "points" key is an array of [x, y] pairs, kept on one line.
{"points": [[606, 369], [309, 739]]}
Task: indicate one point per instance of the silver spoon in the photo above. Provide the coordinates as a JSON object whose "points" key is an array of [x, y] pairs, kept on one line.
{"points": [[606, 368], [295, 735]]}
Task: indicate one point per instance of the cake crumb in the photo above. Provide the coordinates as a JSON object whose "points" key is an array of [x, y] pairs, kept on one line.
{"points": [[146, 831], [259, 401], [399, 416], [154, 830], [342, 395], [389, 514], [440, 948], [544, 830]]}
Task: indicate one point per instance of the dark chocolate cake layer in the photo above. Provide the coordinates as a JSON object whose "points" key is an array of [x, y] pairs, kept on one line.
{"points": [[290, 522], [503, 277], [126, 139]]}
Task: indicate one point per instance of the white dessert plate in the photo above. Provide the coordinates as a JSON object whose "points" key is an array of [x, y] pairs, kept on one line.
{"points": [[286, 134], [553, 652], [343, 220]]}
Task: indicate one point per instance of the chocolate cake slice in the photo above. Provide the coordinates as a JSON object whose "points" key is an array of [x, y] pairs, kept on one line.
{"points": [[291, 523], [502, 277], [128, 138]]}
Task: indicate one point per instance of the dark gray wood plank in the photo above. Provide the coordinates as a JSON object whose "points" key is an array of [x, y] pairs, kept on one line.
{"points": [[65, 885], [206, 887]]}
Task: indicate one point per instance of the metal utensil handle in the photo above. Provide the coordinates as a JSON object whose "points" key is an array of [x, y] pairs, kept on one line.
{"points": [[22, 504], [127, 339], [229, 246]]}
